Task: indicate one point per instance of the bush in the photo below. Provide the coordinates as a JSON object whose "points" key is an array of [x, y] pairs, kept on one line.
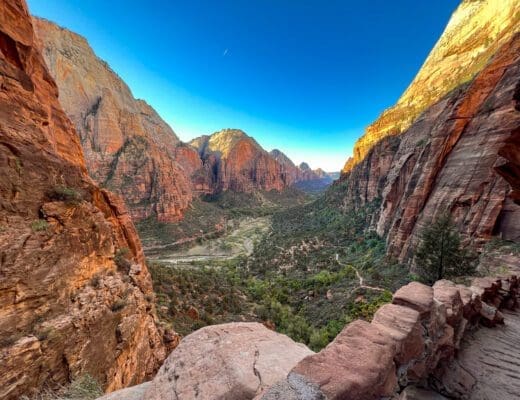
{"points": [[95, 282], [84, 388], [118, 305], [67, 194], [39, 225], [121, 259]]}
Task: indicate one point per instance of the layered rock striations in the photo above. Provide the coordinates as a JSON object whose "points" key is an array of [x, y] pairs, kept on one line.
{"points": [[235, 161], [474, 33], [75, 294], [128, 147], [460, 156]]}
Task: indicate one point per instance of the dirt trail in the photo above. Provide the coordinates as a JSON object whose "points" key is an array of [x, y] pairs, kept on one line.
{"points": [[360, 278]]}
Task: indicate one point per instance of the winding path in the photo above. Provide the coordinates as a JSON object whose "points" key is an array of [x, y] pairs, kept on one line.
{"points": [[360, 278]]}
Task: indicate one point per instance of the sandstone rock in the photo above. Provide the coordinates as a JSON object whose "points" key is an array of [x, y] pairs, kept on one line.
{"points": [[475, 32], [433, 166], [403, 325], [416, 296], [132, 393], [128, 147], [358, 364], [229, 361], [239, 163], [66, 309], [448, 294]]}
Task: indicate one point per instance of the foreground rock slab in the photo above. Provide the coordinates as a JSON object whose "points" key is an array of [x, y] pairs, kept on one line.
{"points": [[229, 361]]}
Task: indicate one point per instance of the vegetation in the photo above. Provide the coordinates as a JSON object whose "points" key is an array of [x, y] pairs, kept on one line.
{"points": [[39, 225], [67, 194], [440, 253], [121, 258], [82, 388], [302, 277], [118, 305], [207, 217]]}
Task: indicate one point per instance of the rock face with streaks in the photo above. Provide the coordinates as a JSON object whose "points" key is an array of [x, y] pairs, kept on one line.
{"points": [[128, 147], [228, 361], [460, 156], [75, 294], [476, 30], [237, 162]]}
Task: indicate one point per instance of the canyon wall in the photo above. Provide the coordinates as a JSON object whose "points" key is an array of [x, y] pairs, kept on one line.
{"points": [[75, 293], [476, 30], [237, 162], [128, 147], [460, 156]]}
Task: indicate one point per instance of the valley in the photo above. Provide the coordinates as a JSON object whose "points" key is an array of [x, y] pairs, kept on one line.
{"points": [[213, 267]]}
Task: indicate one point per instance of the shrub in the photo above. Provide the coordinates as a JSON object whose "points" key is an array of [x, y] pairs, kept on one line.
{"points": [[121, 259], [95, 282], [65, 193], [118, 305], [39, 225], [84, 388]]}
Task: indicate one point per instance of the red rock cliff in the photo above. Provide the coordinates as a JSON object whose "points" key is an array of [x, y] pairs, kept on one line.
{"points": [[461, 156], [237, 162], [128, 147], [476, 30], [75, 293]]}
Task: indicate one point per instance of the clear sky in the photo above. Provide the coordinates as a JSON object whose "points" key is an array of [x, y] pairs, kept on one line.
{"points": [[303, 76]]}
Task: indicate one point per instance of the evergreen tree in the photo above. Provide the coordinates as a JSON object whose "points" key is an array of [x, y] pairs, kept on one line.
{"points": [[440, 254]]}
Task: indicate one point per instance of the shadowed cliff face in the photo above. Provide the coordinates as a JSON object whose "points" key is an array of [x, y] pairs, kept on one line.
{"points": [[128, 147], [475, 32], [66, 308], [461, 155], [235, 161]]}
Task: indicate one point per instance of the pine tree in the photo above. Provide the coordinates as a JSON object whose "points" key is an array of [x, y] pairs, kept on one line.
{"points": [[440, 254]]}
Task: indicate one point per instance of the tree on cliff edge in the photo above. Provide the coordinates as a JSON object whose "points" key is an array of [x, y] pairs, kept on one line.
{"points": [[440, 254]]}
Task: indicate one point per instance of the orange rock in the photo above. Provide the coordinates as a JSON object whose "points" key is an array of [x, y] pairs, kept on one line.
{"points": [[66, 309]]}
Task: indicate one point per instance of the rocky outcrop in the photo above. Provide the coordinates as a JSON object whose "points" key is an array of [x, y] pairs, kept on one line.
{"points": [[237, 162], [408, 342], [476, 30], [128, 147], [75, 294], [460, 156], [229, 361]]}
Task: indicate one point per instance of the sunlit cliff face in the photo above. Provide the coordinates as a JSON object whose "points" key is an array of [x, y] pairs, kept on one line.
{"points": [[474, 33]]}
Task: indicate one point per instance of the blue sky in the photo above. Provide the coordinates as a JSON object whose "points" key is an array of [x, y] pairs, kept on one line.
{"points": [[304, 76]]}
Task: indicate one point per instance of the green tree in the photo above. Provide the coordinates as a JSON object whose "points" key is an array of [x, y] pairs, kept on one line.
{"points": [[440, 253]]}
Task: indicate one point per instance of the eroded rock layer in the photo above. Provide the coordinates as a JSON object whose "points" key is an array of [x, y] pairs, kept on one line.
{"points": [[128, 147], [460, 156], [75, 293], [474, 33], [237, 162]]}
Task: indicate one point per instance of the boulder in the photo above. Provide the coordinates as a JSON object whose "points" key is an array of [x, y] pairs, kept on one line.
{"points": [[132, 393], [416, 296], [403, 325], [358, 364], [228, 361]]}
